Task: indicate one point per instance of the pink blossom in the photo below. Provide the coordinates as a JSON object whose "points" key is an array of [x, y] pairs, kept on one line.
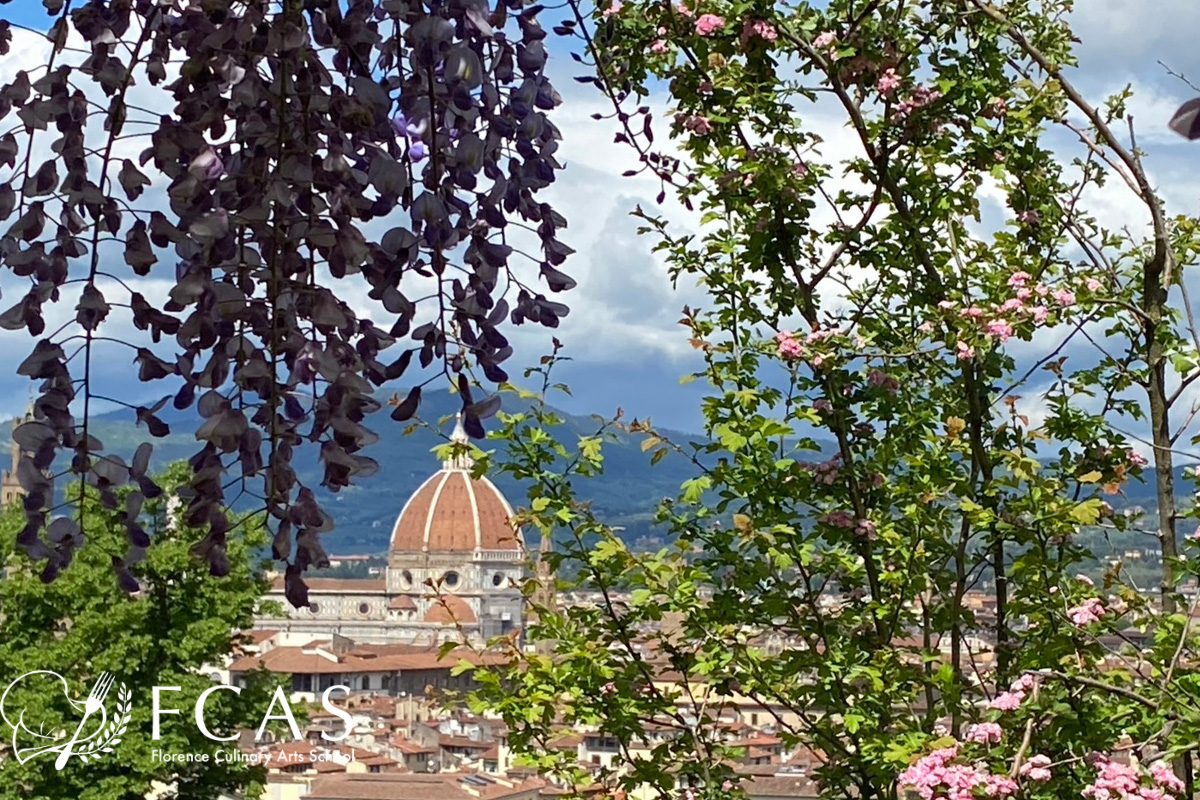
{"points": [[1093, 285], [865, 528], [1085, 579], [615, 8], [1012, 304], [925, 327], [824, 40], [1195, 535], [658, 46], [1064, 297], [1024, 294], [1037, 768], [789, 346], [1028, 217], [760, 28], [1136, 458], [1000, 329], [1018, 279], [936, 777], [1090, 611], [609, 688], [1164, 776], [975, 312], [1007, 701], [708, 24], [984, 733], [887, 83], [823, 405], [965, 351], [921, 97], [1041, 290], [1040, 313], [1022, 684], [946, 305], [698, 125], [999, 786], [1114, 782], [684, 10]]}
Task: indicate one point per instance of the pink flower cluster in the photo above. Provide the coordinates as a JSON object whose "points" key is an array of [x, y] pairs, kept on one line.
{"points": [[760, 28], [1136, 458], [888, 82], [1091, 610], [685, 11], [1002, 318], [695, 123], [1012, 699], [827, 471], [615, 8], [984, 733], [789, 345], [1123, 782], [824, 40], [921, 97], [708, 24], [1036, 769], [937, 777]]}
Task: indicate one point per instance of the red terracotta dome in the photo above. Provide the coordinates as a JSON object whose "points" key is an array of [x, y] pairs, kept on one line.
{"points": [[451, 513], [450, 610]]}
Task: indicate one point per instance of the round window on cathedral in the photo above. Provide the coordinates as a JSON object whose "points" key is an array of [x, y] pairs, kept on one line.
{"points": [[363, 608], [314, 607], [450, 579], [406, 577], [497, 579]]}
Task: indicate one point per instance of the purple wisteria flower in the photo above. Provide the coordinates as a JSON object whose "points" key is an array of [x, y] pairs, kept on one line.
{"points": [[412, 132]]}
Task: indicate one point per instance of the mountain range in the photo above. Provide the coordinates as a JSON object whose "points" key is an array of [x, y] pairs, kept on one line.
{"points": [[624, 495]]}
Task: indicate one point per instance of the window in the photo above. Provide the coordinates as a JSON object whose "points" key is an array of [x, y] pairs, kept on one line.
{"points": [[497, 579], [406, 578], [450, 579], [363, 608], [314, 608], [301, 683]]}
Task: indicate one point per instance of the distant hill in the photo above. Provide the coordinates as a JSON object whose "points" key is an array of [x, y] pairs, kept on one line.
{"points": [[625, 495]]}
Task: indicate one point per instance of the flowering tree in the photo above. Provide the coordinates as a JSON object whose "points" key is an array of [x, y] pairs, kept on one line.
{"points": [[213, 190], [876, 357]]}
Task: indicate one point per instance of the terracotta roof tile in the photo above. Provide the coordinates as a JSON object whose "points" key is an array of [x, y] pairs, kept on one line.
{"points": [[419, 786]]}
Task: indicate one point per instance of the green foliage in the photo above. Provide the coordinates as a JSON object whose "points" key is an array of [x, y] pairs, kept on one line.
{"points": [[855, 300], [180, 627]]}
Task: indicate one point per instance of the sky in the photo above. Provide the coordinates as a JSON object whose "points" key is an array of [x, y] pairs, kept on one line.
{"points": [[623, 335]]}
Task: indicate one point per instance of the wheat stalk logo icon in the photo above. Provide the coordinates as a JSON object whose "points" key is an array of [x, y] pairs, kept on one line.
{"points": [[84, 747]]}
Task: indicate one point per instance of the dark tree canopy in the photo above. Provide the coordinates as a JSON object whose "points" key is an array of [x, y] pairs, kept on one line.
{"points": [[314, 148]]}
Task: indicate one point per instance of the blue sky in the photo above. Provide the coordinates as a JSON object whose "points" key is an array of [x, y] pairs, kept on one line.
{"points": [[629, 350]]}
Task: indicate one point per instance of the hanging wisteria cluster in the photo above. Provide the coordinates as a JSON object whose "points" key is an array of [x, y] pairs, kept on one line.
{"points": [[315, 148]]}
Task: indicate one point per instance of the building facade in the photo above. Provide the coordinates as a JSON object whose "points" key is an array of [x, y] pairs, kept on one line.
{"points": [[454, 570]]}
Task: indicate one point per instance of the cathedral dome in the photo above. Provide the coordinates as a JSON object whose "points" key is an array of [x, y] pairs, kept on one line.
{"points": [[451, 513]]}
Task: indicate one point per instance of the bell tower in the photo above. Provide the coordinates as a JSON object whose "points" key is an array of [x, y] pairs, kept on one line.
{"points": [[10, 487]]}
